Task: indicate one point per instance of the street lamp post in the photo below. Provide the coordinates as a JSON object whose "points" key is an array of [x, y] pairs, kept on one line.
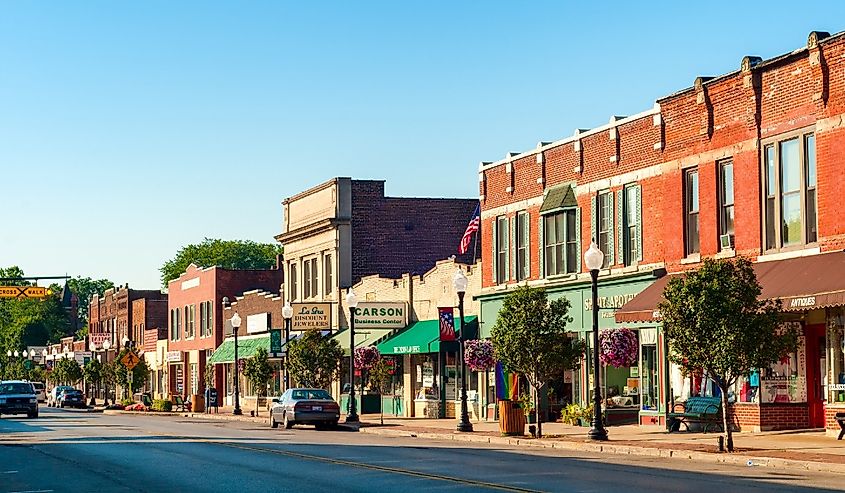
{"points": [[106, 347], [594, 258], [352, 303], [287, 314], [236, 323], [460, 283]]}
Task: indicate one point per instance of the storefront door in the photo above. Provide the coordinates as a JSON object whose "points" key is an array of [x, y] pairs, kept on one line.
{"points": [[816, 370]]}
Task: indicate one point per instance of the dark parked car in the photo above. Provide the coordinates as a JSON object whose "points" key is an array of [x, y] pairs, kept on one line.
{"points": [[18, 397], [301, 406], [71, 398]]}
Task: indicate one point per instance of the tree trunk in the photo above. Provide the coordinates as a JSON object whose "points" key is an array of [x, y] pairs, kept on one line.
{"points": [[537, 411], [727, 433]]}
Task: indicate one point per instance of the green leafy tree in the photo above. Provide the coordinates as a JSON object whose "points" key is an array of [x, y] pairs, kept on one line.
{"points": [[93, 373], [229, 254], [716, 323], [380, 380], [108, 378], [530, 338], [209, 375], [314, 360], [66, 371], [140, 374], [258, 372], [85, 288]]}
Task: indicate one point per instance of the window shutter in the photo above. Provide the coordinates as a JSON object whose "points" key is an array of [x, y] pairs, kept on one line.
{"points": [[494, 226], [512, 248], [610, 233], [541, 250], [526, 240], [578, 239], [638, 190], [507, 242], [594, 214], [620, 234]]}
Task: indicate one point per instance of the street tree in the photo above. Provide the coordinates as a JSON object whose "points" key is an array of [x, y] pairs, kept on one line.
{"points": [[259, 373], [140, 374], [715, 322], [314, 360], [108, 379], [228, 254], [66, 371], [93, 372], [380, 378], [530, 338]]}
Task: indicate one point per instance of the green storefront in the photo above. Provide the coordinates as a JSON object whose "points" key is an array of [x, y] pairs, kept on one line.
{"points": [[636, 392]]}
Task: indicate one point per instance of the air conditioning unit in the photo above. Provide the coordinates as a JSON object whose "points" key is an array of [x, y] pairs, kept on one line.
{"points": [[726, 242]]}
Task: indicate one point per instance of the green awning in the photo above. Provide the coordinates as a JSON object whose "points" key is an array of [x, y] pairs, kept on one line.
{"points": [[558, 197], [247, 346], [363, 338], [420, 337]]}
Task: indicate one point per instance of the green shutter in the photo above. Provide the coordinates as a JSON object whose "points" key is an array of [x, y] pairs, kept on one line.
{"points": [[594, 214], [542, 243], [526, 240], [620, 218], [506, 268], [578, 239], [494, 227], [610, 233], [638, 190], [512, 248]]}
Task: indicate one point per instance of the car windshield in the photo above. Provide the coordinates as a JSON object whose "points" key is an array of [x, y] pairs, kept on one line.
{"points": [[72, 392], [38, 386], [310, 394], [16, 388]]}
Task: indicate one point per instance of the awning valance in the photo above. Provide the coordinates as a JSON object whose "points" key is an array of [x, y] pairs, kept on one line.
{"points": [[420, 337], [803, 283], [363, 338], [247, 346]]}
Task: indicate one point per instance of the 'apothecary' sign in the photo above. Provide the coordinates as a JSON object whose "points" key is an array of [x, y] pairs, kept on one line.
{"points": [[381, 315], [311, 316]]}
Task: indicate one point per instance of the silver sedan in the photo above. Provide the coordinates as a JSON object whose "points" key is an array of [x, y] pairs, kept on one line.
{"points": [[304, 406]]}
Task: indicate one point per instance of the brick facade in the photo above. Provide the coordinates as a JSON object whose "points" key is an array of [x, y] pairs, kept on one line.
{"points": [[125, 312]]}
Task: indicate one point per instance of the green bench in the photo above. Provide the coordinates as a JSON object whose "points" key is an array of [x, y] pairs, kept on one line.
{"points": [[703, 410]]}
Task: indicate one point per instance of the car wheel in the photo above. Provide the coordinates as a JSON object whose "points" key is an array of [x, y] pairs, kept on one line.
{"points": [[333, 424], [273, 423], [32, 415], [62, 405], [287, 422]]}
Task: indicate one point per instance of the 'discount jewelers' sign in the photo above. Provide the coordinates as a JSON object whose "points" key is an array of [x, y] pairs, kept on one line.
{"points": [[381, 315], [311, 316]]}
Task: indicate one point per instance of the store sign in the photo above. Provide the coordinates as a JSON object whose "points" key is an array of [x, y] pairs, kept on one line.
{"points": [[381, 315], [257, 323], [610, 302], [805, 302], [406, 349], [275, 342], [311, 316], [174, 356]]}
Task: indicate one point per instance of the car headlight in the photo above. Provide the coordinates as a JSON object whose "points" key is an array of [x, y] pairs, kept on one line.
{"points": [[32, 399]]}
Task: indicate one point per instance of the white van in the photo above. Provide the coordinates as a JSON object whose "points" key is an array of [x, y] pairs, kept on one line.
{"points": [[40, 391]]}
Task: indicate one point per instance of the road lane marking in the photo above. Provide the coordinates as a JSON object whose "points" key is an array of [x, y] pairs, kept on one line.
{"points": [[9, 472], [374, 467], [33, 491]]}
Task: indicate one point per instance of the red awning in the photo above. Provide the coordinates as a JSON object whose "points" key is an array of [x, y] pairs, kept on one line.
{"points": [[802, 283]]}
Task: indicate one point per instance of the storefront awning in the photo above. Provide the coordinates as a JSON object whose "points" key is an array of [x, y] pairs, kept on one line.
{"points": [[247, 346], [420, 337], [363, 338], [803, 283]]}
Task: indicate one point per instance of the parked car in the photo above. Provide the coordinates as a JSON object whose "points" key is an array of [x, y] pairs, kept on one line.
{"points": [[18, 397], [301, 406], [71, 398], [53, 396], [40, 392]]}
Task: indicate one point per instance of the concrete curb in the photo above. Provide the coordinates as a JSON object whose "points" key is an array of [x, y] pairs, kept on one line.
{"points": [[739, 459]]}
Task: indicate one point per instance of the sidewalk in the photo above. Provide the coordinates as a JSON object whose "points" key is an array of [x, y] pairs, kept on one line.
{"points": [[809, 450]]}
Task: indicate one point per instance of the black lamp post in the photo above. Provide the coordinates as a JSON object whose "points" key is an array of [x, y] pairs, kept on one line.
{"points": [[460, 283], [287, 314], [352, 303], [236, 323], [594, 258]]}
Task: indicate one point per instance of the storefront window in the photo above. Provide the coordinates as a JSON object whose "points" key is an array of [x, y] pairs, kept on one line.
{"points": [[786, 380], [425, 367], [648, 380], [836, 357], [746, 389]]}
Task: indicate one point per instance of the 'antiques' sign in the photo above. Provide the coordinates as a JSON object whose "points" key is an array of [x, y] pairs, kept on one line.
{"points": [[311, 316], [381, 315]]}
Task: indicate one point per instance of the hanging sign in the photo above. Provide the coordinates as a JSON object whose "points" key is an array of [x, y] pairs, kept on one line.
{"points": [[311, 316], [381, 315], [447, 324]]}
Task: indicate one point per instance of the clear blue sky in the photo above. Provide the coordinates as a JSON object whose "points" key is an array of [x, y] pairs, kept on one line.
{"points": [[128, 129]]}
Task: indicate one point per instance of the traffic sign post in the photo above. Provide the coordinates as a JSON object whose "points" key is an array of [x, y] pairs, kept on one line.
{"points": [[130, 360], [24, 292]]}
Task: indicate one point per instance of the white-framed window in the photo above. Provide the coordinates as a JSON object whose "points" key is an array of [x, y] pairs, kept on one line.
{"points": [[310, 286], [292, 281], [604, 213], [328, 275], [692, 241], [560, 248], [501, 246], [522, 240]]}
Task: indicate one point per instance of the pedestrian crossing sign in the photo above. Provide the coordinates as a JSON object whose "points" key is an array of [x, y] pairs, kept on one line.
{"points": [[130, 360]]}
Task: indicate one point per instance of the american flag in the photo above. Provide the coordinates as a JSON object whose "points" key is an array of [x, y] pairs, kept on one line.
{"points": [[472, 227]]}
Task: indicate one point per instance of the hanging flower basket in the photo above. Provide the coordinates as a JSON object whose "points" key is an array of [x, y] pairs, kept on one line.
{"points": [[478, 355], [366, 357], [618, 347]]}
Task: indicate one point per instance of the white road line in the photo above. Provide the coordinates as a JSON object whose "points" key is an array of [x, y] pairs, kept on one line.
{"points": [[9, 472], [33, 491]]}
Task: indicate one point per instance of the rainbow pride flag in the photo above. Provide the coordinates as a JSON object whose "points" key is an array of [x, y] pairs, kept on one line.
{"points": [[506, 383]]}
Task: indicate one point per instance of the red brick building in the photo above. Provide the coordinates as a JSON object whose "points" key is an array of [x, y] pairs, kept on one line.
{"points": [[124, 312], [747, 163], [196, 322]]}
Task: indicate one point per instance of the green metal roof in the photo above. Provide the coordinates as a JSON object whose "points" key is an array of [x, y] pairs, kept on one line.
{"points": [[558, 197], [420, 337], [247, 346], [363, 337]]}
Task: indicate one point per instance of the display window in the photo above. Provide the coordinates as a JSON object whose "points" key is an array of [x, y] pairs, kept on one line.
{"points": [[834, 379]]}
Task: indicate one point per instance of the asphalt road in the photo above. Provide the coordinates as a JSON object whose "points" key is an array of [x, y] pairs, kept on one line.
{"points": [[80, 452]]}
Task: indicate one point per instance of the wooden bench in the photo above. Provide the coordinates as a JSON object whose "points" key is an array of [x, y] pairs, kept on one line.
{"points": [[703, 410], [179, 404], [840, 418]]}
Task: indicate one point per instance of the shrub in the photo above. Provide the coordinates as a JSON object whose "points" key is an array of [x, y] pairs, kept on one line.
{"points": [[162, 405], [126, 402]]}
